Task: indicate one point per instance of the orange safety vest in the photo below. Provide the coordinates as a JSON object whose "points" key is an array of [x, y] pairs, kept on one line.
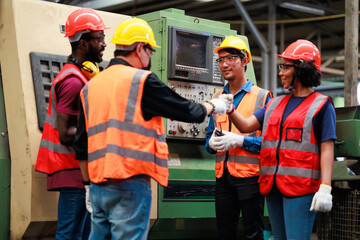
{"points": [[53, 156], [289, 150], [240, 162], [121, 143]]}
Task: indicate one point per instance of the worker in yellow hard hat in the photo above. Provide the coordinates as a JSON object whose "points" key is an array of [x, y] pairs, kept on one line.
{"points": [[237, 167], [123, 108]]}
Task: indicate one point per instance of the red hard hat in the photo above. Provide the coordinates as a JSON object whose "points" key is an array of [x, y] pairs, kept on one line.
{"points": [[303, 50], [83, 19]]}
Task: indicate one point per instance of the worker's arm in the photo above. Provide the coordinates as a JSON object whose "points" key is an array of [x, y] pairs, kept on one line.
{"points": [[84, 170], [67, 128], [324, 125], [252, 123], [326, 161], [159, 100], [80, 145], [67, 109], [322, 200], [80, 142], [245, 125]]}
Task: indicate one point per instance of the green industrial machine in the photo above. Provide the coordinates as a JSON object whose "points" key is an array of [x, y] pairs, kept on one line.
{"points": [[187, 63], [343, 221], [347, 145]]}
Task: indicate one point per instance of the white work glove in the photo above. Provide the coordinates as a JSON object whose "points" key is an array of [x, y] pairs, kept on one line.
{"points": [[228, 141], [219, 106], [87, 199], [211, 140], [228, 100], [322, 200]]}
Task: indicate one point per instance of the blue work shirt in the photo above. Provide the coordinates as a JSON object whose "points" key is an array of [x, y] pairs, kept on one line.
{"points": [[252, 144]]}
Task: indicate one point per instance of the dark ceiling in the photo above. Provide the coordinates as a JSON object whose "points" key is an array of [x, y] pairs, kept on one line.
{"points": [[324, 25]]}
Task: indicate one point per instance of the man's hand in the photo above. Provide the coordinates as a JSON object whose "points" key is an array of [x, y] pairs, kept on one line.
{"points": [[228, 141], [87, 199], [228, 100], [211, 140], [223, 104], [322, 200]]}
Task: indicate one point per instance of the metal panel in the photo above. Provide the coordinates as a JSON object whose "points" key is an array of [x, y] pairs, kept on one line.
{"points": [[44, 68]]}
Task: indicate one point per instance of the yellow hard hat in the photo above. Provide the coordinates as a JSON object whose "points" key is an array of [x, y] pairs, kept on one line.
{"points": [[134, 30], [234, 42]]}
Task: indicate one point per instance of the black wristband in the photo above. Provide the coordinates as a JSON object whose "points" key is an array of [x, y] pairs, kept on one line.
{"points": [[86, 183]]}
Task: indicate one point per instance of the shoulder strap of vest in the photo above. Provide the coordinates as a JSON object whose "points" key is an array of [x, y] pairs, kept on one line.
{"points": [[69, 69]]}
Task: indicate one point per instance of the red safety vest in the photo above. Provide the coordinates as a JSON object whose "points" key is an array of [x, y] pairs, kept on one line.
{"points": [[53, 156], [121, 143], [240, 162], [289, 150]]}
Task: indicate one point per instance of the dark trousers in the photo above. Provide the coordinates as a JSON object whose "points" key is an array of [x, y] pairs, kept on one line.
{"points": [[234, 195]]}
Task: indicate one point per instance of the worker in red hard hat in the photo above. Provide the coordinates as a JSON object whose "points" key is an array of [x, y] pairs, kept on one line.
{"points": [[297, 148], [56, 157]]}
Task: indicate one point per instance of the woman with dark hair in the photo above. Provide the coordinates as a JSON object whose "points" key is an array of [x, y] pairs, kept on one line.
{"points": [[297, 148]]}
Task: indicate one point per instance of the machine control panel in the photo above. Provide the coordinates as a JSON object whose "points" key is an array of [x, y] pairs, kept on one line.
{"points": [[217, 77], [197, 93]]}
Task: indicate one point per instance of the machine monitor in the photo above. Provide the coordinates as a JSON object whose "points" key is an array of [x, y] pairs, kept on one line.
{"points": [[192, 57]]}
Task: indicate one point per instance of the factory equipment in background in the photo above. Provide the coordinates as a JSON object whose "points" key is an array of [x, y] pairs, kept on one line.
{"points": [[343, 222]]}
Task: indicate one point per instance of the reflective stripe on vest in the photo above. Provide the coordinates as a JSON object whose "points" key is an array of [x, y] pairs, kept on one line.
{"points": [[240, 162], [298, 167], [53, 156], [291, 171], [110, 157]]}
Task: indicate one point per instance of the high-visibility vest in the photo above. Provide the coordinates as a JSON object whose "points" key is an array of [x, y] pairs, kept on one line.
{"points": [[289, 150], [53, 156], [121, 143], [240, 162]]}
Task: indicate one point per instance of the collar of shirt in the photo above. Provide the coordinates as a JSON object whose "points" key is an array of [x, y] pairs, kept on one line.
{"points": [[115, 61], [239, 94]]}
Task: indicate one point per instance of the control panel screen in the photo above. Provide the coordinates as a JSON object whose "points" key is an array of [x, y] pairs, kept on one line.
{"points": [[191, 49]]}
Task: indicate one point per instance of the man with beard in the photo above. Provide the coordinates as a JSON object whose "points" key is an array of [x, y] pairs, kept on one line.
{"points": [[56, 157], [237, 166], [123, 127]]}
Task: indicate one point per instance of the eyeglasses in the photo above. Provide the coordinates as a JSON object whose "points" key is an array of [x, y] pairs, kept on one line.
{"points": [[98, 40], [152, 51], [284, 67], [227, 59]]}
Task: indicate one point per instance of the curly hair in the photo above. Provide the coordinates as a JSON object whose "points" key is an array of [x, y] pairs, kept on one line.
{"points": [[307, 73]]}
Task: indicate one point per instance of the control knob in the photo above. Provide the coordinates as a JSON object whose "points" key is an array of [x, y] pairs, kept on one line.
{"points": [[183, 127]]}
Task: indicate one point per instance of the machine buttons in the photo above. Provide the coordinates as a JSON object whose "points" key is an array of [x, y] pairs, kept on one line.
{"points": [[196, 93], [183, 127]]}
